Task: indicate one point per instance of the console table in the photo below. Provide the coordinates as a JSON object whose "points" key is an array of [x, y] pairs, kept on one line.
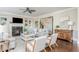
{"points": [[65, 34]]}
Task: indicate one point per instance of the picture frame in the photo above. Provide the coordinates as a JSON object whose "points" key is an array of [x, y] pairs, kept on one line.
{"points": [[47, 22], [3, 20]]}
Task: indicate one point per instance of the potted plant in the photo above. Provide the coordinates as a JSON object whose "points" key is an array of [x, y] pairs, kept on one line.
{"points": [[57, 26]]}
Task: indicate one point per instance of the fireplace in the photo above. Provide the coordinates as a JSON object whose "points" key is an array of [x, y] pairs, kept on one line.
{"points": [[17, 30]]}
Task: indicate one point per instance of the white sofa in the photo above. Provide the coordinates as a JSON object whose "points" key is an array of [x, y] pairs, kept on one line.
{"points": [[12, 43], [5, 36]]}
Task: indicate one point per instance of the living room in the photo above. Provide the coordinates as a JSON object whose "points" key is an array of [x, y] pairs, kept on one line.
{"points": [[18, 23]]}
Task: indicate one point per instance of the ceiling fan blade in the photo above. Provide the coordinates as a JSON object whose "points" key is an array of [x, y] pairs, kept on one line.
{"points": [[30, 11], [27, 8], [24, 11], [33, 10]]}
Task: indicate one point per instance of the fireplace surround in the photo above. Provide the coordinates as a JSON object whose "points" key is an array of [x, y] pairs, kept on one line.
{"points": [[17, 30]]}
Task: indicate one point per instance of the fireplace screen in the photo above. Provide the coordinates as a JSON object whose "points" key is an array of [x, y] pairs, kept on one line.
{"points": [[16, 31]]}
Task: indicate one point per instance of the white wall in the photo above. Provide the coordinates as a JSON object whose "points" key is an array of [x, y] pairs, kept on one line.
{"points": [[78, 25]]}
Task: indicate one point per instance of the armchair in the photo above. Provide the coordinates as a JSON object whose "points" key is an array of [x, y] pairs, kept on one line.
{"points": [[36, 44]]}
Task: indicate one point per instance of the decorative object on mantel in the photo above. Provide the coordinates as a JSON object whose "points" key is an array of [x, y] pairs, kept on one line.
{"points": [[26, 22], [36, 24], [3, 20]]}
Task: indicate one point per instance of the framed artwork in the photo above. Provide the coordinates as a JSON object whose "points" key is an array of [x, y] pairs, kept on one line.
{"points": [[3, 20], [47, 23], [36, 23], [29, 21], [41, 24], [26, 22]]}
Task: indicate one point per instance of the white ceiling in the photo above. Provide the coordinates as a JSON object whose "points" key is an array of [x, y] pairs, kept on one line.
{"points": [[39, 10]]}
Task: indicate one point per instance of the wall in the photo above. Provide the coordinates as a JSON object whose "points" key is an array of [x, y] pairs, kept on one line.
{"points": [[78, 25], [63, 15], [9, 24]]}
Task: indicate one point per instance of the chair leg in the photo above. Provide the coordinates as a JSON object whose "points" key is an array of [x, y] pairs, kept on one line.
{"points": [[26, 46], [45, 50], [26, 49], [56, 44], [50, 47], [53, 47]]}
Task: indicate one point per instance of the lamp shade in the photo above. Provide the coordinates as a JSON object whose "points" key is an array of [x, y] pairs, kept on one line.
{"points": [[70, 23]]}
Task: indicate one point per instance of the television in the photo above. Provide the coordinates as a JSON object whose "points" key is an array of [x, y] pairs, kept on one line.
{"points": [[17, 20]]}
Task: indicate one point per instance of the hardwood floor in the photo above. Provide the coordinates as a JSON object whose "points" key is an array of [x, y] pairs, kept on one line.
{"points": [[63, 46]]}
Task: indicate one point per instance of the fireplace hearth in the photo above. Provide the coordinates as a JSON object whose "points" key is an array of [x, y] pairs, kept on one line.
{"points": [[17, 30]]}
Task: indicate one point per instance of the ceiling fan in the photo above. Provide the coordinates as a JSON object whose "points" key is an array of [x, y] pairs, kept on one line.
{"points": [[28, 10]]}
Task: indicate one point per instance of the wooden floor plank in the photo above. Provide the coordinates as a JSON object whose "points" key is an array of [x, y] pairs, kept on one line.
{"points": [[63, 46]]}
